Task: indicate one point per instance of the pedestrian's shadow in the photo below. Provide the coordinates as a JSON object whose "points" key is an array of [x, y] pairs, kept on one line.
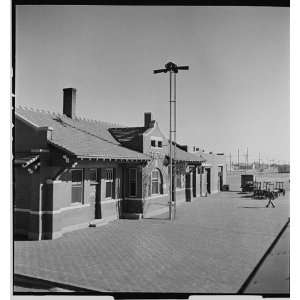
{"points": [[162, 218], [252, 207], [247, 196]]}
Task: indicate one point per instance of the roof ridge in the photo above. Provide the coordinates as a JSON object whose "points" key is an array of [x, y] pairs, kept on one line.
{"points": [[79, 118], [98, 121]]}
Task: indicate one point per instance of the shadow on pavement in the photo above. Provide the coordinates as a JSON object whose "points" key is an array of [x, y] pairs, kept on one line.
{"points": [[252, 207], [163, 218], [247, 196]]}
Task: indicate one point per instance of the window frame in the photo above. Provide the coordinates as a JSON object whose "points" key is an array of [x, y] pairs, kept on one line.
{"points": [[90, 170], [76, 185], [158, 182], [153, 140], [130, 181], [109, 180], [156, 140]]}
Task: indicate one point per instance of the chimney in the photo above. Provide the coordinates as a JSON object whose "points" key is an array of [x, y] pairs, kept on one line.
{"points": [[69, 105], [147, 119]]}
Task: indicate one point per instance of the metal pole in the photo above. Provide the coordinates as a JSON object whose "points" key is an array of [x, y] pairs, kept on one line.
{"points": [[230, 163], [246, 162], [175, 164], [172, 68], [171, 163]]}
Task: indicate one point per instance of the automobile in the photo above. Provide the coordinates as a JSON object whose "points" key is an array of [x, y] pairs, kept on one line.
{"points": [[247, 182]]}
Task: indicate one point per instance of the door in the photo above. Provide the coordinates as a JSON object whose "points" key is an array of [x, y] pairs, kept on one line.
{"points": [[208, 180], [188, 186], [204, 182], [194, 183], [220, 174]]}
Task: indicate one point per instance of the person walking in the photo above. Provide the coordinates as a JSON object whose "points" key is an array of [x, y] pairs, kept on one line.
{"points": [[270, 197]]}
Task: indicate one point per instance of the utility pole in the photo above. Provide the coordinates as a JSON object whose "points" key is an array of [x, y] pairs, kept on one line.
{"points": [[259, 160], [247, 162], [230, 162], [173, 70]]}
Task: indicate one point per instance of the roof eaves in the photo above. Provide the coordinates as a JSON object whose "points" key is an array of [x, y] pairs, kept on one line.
{"points": [[113, 157], [27, 121], [60, 147]]}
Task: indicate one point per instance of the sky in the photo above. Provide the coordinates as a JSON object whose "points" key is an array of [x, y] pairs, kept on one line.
{"points": [[235, 95]]}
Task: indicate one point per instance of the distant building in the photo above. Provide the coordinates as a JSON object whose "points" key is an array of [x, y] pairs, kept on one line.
{"points": [[213, 175]]}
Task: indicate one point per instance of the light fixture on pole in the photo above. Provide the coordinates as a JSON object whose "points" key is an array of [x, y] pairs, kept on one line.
{"points": [[173, 70]]}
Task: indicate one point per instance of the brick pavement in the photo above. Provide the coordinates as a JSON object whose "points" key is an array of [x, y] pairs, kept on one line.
{"points": [[211, 247], [273, 276]]}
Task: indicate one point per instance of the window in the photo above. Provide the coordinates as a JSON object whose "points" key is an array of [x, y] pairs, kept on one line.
{"points": [[108, 176], [91, 181], [77, 185], [91, 175], [156, 182], [156, 142], [132, 182]]}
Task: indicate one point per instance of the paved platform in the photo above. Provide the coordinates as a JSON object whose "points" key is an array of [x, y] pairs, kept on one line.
{"points": [[211, 247]]}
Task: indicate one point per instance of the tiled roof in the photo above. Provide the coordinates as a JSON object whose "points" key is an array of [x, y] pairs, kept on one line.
{"points": [[127, 134], [211, 157], [89, 138], [182, 155], [83, 138]]}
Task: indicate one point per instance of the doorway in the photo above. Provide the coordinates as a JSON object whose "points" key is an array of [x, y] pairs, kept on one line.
{"points": [[93, 176], [194, 183], [220, 178], [208, 180]]}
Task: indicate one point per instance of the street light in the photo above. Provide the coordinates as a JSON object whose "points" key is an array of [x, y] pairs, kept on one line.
{"points": [[173, 70]]}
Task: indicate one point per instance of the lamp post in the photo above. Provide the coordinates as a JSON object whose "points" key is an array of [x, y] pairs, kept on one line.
{"points": [[173, 70]]}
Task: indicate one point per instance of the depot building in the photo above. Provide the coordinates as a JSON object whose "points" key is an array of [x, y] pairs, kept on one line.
{"points": [[71, 172]]}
